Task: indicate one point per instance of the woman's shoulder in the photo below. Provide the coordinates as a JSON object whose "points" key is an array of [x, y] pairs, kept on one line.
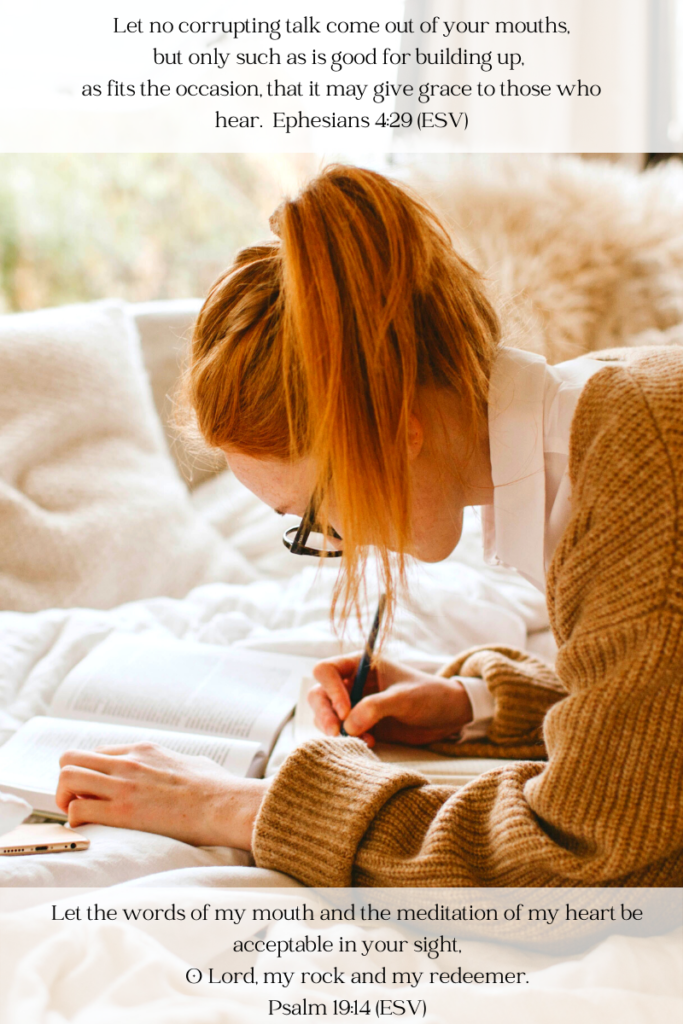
{"points": [[626, 471], [645, 357], [628, 418], [638, 390]]}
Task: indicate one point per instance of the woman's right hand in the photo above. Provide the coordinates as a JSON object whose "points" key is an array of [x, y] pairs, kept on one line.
{"points": [[399, 705]]}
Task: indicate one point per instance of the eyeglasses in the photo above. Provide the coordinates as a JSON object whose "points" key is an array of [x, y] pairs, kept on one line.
{"points": [[308, 538]]}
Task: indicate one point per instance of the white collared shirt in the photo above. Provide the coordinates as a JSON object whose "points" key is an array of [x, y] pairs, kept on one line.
{"points": [[531, 407]]}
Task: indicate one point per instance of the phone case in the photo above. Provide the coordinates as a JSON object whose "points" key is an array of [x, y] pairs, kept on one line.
{"points": [[27, 839]]}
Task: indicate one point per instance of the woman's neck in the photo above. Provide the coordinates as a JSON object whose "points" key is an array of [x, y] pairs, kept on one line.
{"points": [[451, 471]]}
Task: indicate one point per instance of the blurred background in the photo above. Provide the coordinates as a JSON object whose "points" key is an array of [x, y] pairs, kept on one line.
{"points": [[75, 227], [140, 226]]}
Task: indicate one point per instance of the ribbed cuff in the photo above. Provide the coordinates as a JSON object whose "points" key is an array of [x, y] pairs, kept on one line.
{"points": [[523, 689], [320, 805]]}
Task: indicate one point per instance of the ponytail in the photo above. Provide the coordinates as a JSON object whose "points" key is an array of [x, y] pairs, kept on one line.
{"points": [[317, 345]]}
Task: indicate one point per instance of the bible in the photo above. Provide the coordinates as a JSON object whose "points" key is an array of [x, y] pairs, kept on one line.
{"points": [[226, 703]]}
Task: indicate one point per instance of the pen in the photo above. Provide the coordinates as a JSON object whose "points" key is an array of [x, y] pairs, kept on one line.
{"points": [[364, 666]]}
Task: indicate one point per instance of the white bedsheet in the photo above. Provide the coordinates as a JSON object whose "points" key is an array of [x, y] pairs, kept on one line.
{"points": [[453, 605]]}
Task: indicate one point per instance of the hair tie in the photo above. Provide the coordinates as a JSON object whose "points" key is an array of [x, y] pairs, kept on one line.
{"points": [[275, 222]]}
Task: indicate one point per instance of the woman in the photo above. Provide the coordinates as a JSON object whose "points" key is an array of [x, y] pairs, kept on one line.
{"points": [[351, 373]]}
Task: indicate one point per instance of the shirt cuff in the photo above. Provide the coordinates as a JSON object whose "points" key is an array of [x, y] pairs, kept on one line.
{"points": [[482, 707]]}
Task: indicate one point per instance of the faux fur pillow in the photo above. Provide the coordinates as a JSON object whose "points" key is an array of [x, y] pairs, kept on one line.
{"points": [[92, 510], [579, 255]]}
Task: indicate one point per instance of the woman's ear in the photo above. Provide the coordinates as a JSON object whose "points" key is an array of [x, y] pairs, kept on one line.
{"points": [[415, 437]]}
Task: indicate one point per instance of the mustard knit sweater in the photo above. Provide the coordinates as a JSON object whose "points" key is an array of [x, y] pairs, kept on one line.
{"points": [[606, 808]]}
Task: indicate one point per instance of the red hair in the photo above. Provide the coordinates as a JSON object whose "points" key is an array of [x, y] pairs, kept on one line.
{"points": [[316, 344]]}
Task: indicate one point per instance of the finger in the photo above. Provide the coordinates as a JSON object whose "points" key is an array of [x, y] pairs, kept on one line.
{"points": [[372, 709], [127, 756], [75, 782], [335, 686], [93, 812], [346, 664], [116, 749], [96, 761], [325, 717]]}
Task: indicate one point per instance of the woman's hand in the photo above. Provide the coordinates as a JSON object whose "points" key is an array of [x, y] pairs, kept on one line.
{"points": [[147, 787], [400, 704]]}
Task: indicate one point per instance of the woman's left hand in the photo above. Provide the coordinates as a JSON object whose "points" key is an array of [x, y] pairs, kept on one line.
{"points": [[147, 787]]}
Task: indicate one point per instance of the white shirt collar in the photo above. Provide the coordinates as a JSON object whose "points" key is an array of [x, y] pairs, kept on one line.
{"points": [[514, 526]]}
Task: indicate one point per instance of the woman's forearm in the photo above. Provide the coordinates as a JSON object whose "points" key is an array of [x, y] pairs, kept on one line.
{"points": [[236, 811], [146, 787]]}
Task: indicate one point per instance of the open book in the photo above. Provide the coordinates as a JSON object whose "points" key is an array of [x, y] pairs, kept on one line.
{"points": [[224, 702]]}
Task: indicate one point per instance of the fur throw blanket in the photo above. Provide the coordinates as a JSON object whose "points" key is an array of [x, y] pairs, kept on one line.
{"points": [[579, 255]]}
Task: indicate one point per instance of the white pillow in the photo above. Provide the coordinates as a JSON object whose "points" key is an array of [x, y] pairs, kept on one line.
{"points": [[164, 328], [92, 510]]}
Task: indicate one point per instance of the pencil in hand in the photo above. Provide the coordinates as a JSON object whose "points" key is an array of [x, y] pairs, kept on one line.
{"points": [[365, 662]]}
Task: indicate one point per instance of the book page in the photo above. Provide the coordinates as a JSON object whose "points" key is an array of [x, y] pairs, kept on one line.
{"points": [[183, 686], [29, 761]]}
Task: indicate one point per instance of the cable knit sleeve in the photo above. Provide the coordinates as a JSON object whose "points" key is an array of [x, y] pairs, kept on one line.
{"points": [[606, 807], [523, 688]]}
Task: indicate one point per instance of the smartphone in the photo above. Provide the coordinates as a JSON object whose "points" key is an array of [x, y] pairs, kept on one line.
{"points": [[41, 839]]}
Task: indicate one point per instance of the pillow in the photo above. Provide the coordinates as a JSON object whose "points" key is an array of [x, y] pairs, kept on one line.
{"points": [[164, 328], [579, 255], [92, 510]]}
